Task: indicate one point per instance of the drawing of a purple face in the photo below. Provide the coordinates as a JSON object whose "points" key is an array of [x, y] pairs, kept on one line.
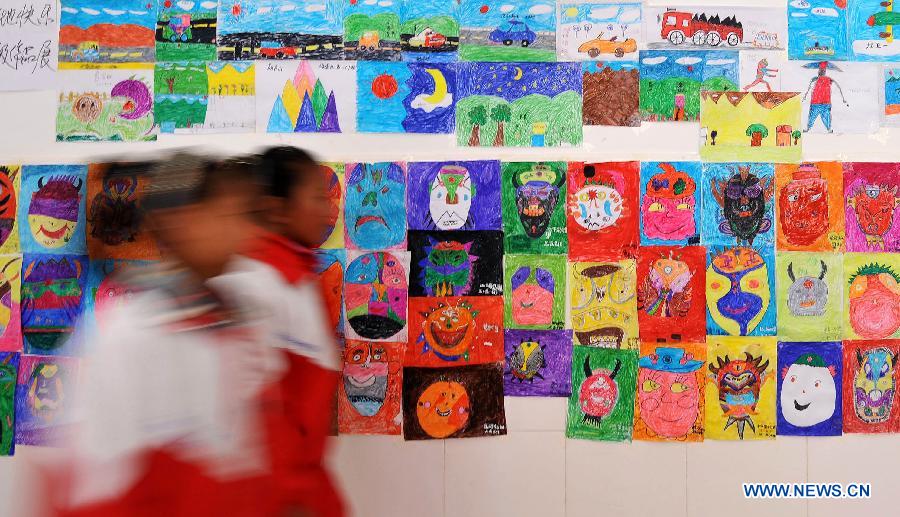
{"points": [[450, 197], [375, 211]]}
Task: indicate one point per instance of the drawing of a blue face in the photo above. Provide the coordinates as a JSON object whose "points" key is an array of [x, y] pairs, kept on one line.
{"points": [[375, 215]]}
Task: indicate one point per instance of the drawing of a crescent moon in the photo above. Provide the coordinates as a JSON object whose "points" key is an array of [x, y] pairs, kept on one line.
{"points": [[518, 73], [440, 86]]}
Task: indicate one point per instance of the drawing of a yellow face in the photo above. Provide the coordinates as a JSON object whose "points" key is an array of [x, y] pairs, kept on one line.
{"points": [[604, 308], [737, 290], [50, 231]]}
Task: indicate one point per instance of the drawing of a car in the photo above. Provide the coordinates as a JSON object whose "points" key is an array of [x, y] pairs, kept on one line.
{"points": [[428, 38], [369, 40], [275, 50], [87, 51], [513, 31], [598, 46]]}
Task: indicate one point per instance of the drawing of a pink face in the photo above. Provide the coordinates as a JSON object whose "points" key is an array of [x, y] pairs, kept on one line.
{"points": [[532, 303], [668, 219], [669, 401]]}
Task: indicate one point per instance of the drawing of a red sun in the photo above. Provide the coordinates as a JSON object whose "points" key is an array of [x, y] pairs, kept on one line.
{"points": [[384, 86], [167, 4], [484, 9], [690, 68]]}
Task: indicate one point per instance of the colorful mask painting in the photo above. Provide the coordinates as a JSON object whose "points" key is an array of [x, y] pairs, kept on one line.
{"points": [[458, 402], [536, 291], [809, 388], [105, 290], [334, 187], [10, 303], [603, 303], [602, 211], [809, 195], [53, 205], [375, 292], [670, 202], [809, 296], [670, 389], [449, 331], [872, 193], [671, 300], [52, 297], [9, 371], [740, 397], [534, 219], [43, 390], [369, 394], [375, 209], [740, 285], [330, 267], [737, 204], [872, 295], [454, 196], [601, 406], [10, 177], [456, 263], [115, 217], [870, 386], [538, 363]]}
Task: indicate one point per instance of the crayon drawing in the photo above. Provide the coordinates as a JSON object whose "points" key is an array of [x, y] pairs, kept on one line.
{"points": [[334, 186], [870, 376], [538, 363], [455, 263], [603, 304], [671, 296], [872, 209], [671, 384], [10, 181], [837, 97], [715, 27], [114, 105], [10, 303], [602, 211], [115, 216], [810, 296], [375, 205], [199, 97], [890, 97], [369, 392], [455, 331], [105, 290], [186, 30], [375, 295], [535, 288], [809, 388], [762, 71], [671, 81], [330, 266], [53, 205], [429, 31], [610, 94], [9, 372], [737, 204], [91, 31], [753, 126], [458, 402], [372, 31], [306, 97], [52, 300], [601, 406], [809, 197], [405, 97], [534, 213], [496, 30], [519, 105], [871, 295], [740, 388], [454, 196], [818, 30], [740, 287], [44, 388], [670, 203], [599, 31], [871, 24], [279, 29]]}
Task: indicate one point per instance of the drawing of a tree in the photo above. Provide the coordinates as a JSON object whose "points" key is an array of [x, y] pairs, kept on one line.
{"points": [[500, 114], [170, 82], [796, 136], [757, 132], [478, 117]]}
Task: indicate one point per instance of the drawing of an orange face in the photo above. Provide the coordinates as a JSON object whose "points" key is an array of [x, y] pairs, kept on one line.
{"points": [[449, 331], [87, 108], [443, 409]]}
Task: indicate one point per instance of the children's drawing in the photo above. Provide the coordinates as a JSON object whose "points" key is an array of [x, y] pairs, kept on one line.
{"points": [[372, 31], [810, 297], [809, 199], [837, 97], [671, 296], [405, 97], [604, 31], [369, 394], [603, 303], [715, 26], [10, 181], [429, 31], [52, 298], [330, 266], [538, 363], [762, 71], [737, 204], [186, 30], [871, 25], [455, 263], [105, 290], [496, 30], [115, 217], [375, 205], [871, 295], [872, 210], [670, 202], [890, 96], [307, 97], [610, 94], [114, 105], [534, 215], [818, 30], [53, 204], [201, 97], [535, 288], [44, 388], [870, 386], [454, 196], [10, 303], [375, 295], [671, 81], [753, 126], [91, 31], [279, 29], [448, 331], [670, 388], [334, 187], [740, 285], [602, 210], [9, 372], [519, 105], [809, 388], [740, 392], [459, 402], [601, 406]]}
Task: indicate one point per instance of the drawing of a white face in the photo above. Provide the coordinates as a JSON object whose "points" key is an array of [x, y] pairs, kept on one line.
{"points": [[451, 197], [597, 207], [808, 393]]}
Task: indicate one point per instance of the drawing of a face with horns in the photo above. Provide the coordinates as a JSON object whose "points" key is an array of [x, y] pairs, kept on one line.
{"points": [[537, 194], [53, 212]]}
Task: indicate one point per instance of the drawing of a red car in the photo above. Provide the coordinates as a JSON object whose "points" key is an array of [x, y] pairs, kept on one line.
{"points": [[428, 38], [275, 50]]}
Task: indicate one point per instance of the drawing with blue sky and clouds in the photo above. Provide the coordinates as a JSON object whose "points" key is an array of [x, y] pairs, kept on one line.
{"points": [[91, 32], [608, 32], [817, 30], [506, 30]]}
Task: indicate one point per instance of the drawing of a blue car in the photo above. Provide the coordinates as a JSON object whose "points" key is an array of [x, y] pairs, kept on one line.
{"points": [[513, 31]]}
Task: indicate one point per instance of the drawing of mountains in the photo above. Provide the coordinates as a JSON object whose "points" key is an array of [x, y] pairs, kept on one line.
{"points": [[108, 35], [303, 106]]}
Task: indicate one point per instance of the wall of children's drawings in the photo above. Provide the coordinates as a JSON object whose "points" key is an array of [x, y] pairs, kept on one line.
{"points": [[681, 220]]}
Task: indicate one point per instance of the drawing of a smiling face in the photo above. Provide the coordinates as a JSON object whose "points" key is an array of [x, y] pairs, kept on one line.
{"points": [[375, 205], [443, 408], [808, 392], [366, 377]]}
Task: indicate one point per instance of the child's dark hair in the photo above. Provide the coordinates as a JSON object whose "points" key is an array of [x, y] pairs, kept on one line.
{"points": [[283, 167]]}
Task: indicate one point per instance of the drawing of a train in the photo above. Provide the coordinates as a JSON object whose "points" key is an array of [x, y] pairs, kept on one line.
{"points": [[680, 26]]}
